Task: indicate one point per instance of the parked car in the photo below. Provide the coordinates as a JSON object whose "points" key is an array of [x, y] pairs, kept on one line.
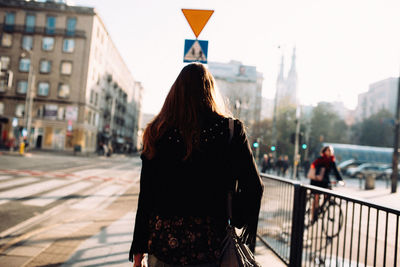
{"points": [[360, 172], [347, 164], [387, 174]]}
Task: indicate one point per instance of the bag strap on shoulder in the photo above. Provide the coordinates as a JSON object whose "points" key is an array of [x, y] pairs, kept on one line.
{"points": [[230, 193]]}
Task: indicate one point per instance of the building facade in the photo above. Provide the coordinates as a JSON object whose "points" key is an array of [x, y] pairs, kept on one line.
{"points": [[60, 76], [381, 95], [241, 87]]}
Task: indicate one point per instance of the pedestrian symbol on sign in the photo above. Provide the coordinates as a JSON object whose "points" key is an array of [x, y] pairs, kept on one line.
{"points": [[195, 51]]}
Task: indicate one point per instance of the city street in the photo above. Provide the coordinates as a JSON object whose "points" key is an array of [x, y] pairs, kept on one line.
{"points": [[49, 202]]}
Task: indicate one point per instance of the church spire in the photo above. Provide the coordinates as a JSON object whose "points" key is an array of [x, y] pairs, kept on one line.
{"points": [[292, 70], [281, 75]]}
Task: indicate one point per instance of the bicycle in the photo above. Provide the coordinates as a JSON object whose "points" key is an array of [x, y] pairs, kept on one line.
{"points": [[330, 213]]}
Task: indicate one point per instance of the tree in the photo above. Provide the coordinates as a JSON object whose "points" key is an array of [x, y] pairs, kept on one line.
{"points": [[286, 126], [263, 131], [326, 126], [377, 130]]}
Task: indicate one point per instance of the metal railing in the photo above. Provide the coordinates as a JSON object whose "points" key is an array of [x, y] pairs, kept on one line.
{"points": [[338, 231]]}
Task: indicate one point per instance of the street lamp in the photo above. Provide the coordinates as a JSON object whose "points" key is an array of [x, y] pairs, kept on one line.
{"points": [[29, 95]]}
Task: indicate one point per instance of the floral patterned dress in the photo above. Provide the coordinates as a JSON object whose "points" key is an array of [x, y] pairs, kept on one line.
{"points": [[186, 240]]}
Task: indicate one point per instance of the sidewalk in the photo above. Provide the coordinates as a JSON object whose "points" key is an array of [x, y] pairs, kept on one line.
{"points": [[110, 247], [88, 238]]}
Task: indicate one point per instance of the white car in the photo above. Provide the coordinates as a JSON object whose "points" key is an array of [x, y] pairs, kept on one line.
{"points": [[387, 174], [360, 171]]}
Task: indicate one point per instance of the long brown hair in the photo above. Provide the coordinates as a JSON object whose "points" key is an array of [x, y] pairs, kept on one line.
{"points": [[192, 94]]}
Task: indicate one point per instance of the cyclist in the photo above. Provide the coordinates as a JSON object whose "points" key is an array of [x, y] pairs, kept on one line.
{"points": [[323, 165]]}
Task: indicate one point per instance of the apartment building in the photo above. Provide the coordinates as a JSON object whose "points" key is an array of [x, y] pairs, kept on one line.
{"points": [[241, 87], [59, 69]]}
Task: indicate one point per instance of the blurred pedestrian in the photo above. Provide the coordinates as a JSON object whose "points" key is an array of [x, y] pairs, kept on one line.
{"points": [[306, 167], [189, 164], [279, 166], [264, 165], [109, 150], [285, 165], [271, 163]]}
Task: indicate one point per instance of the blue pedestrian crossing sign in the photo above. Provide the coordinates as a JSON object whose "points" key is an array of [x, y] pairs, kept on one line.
{"points": [[195, 51]]}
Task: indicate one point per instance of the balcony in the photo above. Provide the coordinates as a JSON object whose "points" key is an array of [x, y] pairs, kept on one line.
{"points": [[42, 31]]}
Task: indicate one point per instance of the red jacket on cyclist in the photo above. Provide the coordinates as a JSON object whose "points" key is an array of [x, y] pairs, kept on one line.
{"points": [[326, 162]]}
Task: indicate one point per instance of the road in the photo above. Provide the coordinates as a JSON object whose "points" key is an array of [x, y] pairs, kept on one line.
{"points": [[47, 198]]}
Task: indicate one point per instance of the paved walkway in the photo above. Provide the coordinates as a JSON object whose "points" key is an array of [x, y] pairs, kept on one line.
{"points": [[110, 246]]}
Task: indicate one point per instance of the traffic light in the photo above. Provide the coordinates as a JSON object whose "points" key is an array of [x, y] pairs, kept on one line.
{"points": [[293, 138], [273, 148], [255, 144], [304, 146]]}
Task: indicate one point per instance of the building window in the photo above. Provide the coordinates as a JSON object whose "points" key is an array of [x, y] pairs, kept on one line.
{"points": [[30, 23], [50, 25], [3, 84], [91, 97], [6, 39], [71, 25], [4, 63], [69, 45], [1, 108], [94, 118], [63, 90], [9, 21], [45, 66], [48, 43], [95, 98], [19, 110], [24, 64], [22, 87], [40, 111], [43, 89], [27, 42], [66, 67], [61, 113]]}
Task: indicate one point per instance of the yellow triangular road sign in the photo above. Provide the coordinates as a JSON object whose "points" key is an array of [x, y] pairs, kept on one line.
{"points": [[197, 19]]}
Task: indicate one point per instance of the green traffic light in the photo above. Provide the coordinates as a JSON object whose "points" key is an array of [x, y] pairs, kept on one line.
{"points": [[304, 146], [273, 148], [255, 144]]}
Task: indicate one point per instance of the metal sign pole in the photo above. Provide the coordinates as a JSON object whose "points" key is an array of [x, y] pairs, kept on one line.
{"points": [[395, 173]]}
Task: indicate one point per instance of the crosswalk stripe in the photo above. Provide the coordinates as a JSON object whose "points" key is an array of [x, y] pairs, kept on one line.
{"points": [[97, 198], [2, 178], [18, 181], [52, 196], [30, 190]]}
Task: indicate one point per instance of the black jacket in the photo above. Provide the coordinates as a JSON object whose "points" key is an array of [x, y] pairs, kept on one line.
{"points": [[198, 186]]}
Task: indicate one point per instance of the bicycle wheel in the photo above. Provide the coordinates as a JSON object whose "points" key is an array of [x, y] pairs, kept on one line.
{"points": [[332, 220]]}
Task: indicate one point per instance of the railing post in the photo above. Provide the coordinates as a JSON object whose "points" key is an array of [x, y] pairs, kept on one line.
{"points": [[296, 241]]}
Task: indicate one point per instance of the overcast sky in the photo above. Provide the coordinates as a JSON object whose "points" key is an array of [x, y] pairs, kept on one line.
{"points": [[342, 45]]}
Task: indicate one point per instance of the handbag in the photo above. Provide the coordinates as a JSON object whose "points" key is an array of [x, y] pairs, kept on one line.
{"points": [[234, 252], [312, 174]]}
